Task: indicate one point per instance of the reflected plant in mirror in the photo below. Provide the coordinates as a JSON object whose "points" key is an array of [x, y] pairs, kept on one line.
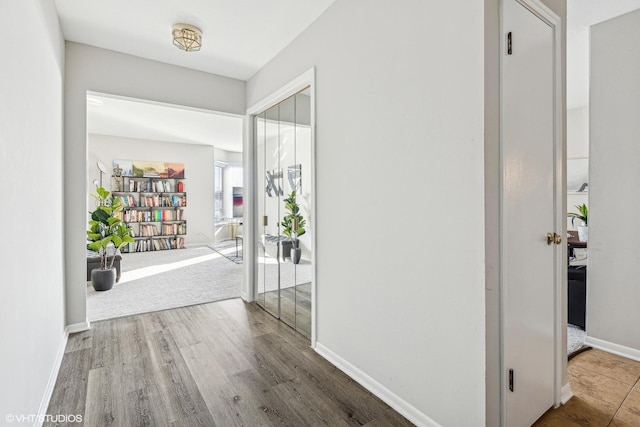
{"points": [[293, 225]]}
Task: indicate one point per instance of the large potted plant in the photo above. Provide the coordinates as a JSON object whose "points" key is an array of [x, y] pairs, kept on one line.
{"points": [[293, 226], [107, 233], [582, 215]]}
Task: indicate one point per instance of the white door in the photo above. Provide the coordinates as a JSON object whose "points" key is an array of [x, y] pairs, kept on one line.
{"points": [[528, 214]]}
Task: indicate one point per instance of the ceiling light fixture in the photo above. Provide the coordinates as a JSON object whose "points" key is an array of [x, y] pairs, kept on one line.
{"points": [[187, 37]]}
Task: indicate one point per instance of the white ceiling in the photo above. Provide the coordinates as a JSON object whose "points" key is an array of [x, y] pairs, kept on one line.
{"points": [[239, 38], [581, 14], [107, 115]]}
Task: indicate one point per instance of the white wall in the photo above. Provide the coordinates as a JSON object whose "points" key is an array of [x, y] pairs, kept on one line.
{"points": [[400, 196], [93, 69], [613, 290], [577, 148], [198, 162], [32, 303], [578, 133]]}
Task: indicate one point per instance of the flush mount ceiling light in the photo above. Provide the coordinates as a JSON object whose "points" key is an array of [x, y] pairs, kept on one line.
{"points": [[187, 37]]}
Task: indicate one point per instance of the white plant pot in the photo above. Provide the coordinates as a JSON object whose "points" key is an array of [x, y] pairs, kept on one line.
{"points": [[583, 233]]}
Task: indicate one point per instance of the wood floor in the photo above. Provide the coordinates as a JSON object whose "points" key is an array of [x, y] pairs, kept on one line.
{"points": [[607, 393], [295, 306], [220, 364]]}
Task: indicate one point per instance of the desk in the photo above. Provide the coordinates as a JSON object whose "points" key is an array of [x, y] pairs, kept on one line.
{"points": [[574, 242], [238, 237]]}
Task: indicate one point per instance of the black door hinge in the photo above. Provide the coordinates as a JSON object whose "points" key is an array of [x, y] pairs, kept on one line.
{"points": [[509, 46], [510, 379]]}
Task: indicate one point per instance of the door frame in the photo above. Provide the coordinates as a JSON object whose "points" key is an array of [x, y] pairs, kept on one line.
{"points": [[562, 391], [306, 79]]}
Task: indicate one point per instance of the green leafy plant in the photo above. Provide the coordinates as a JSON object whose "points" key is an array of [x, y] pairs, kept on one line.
{"points": [[582, 214], [107, 228], [293, 223]]}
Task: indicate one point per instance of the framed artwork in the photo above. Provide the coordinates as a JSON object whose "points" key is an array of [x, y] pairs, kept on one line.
{"points": [[125, 165], [237, 202], [144, 168]]}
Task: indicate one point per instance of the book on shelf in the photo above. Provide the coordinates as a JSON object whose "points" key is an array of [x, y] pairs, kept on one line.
{"points": [[172, 229]]}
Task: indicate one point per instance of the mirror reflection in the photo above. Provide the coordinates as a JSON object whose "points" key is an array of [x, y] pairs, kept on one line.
{"points": [[284, 258]]}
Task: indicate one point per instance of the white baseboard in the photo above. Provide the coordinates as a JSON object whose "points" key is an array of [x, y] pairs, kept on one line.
{"points": [[78, 327], [53, 377], [386, 395], [620, 350], [565, 393]]}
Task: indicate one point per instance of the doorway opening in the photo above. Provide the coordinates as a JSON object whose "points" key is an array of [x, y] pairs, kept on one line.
{"points": [[158, 161]]}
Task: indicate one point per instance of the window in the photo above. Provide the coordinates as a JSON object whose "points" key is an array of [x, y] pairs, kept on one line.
{"points": [[218, 193]]}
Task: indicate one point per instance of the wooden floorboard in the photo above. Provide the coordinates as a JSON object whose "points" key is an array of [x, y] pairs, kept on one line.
{"points": [[220, 364]]}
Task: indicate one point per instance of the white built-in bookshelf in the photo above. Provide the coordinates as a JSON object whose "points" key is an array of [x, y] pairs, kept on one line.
{"points": [[154, 210]]}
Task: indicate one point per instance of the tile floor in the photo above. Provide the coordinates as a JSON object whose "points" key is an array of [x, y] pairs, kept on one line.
{"points": [[606, 392]]}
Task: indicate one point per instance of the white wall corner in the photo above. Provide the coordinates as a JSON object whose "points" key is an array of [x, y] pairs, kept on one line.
{"points": [[77, 327], [620, 350], [386, 395], [53, 377], [565, 393]]}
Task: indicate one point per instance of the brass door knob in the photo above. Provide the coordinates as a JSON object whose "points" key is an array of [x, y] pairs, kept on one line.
{"points": [[557, 239], [553, 238]]}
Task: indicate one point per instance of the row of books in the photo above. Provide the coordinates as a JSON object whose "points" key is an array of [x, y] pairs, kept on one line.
{"points": [[155, 245], [146, 230], [129, 201], [163, 201], [150, 230], [151, 216], [168, 215], [169, 229], [154, 186]]}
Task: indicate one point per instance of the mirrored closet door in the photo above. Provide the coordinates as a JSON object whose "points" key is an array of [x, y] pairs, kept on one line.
{"points": [[284, 266]]}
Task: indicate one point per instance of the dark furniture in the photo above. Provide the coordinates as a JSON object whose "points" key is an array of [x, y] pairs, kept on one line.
{"points": [[283, 242], [577, 295], [577, 285], [93, 261]]}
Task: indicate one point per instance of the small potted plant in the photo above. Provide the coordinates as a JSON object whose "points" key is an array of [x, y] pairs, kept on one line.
{"points": [[106, 231], [293, 226], [582, 215]]}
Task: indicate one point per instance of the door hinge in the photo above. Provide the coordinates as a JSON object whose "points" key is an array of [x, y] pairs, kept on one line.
{"points": [[509, 44], [510, 379]]}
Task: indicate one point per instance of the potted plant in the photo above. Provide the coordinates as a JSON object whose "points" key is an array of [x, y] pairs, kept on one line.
{"points": [[106, 230], [293, 226], [582, 215]]}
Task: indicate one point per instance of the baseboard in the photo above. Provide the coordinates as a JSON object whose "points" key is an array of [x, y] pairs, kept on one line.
{"points": [[51, 383], [386, 395], [565, 393], [620, 350], [78, 327]]}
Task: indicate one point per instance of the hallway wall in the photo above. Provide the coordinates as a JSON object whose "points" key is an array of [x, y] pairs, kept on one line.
{"points": [[399, 167], [31, 255], [613, 291]]}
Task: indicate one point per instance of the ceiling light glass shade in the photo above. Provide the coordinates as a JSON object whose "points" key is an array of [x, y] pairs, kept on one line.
{"points": [[187, 37]]}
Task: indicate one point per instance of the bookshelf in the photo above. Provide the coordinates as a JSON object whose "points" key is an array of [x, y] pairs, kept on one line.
{"points": [[154, 210]]}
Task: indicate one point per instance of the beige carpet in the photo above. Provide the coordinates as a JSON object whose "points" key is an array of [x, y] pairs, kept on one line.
{"points": [[153, 281]]}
